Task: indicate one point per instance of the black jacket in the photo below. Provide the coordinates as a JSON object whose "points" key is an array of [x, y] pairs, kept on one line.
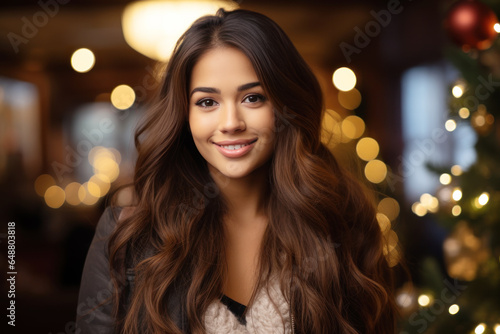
{"points": [[95, 309]]}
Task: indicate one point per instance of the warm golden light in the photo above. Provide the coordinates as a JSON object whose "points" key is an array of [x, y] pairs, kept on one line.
{"points": [[153, 27], [456, 170], [85, 196], [453, 309], [424, 300], [331, 133], [457, 194], [383, 222], [497, 329], [82, 60], [122, 97], [464, 113], [375, 171], [496, 26], [456, 210], [457, 91], [483, 199], [102, 182], [350, 99], [344, 79], [480, 329], [104, 163], [353, 127], [42, 183], [445, 178], [419, 209], [450, 125], [71, 191], [389, 207], [367, 148], [54, 197]]}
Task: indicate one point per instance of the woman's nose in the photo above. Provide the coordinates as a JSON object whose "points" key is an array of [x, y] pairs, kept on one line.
{"points": [[230, 119]]}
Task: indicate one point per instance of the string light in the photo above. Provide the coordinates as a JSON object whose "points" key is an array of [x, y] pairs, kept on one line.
{"points": [[353, 127], [54, 197], [483, 198], [450, 125], [424, 300], [456, 210], [497, 329], [457, 194], [82, 60], [71, 192], [480, 328], [389, 207], [453, 309], [419, 209], [42, 183], [456, 170], [464, 113], [367, 148], [122, 97], [344, 79], [350, 99], [445, 178], [375, 171], [496, 26], [457, 91]]}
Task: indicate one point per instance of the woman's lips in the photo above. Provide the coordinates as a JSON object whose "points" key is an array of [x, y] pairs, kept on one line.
{"points": [[231, 150]]}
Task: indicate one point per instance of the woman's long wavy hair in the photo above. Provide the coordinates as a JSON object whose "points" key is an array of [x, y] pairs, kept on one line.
{"points": [[322, 227]]}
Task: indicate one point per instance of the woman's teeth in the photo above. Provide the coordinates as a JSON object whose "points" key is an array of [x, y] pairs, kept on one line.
{"points": [[233, 147]]}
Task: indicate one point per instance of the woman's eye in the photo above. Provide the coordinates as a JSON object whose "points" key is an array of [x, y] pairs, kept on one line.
{"points": [[206, 103], [254, 98]]}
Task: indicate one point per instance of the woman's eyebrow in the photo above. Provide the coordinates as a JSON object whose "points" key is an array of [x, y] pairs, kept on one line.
{"points": [[217, 91], [248, 86]]}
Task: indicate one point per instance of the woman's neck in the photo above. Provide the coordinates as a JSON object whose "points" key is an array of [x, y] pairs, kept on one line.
{"points": [[245, 197]]}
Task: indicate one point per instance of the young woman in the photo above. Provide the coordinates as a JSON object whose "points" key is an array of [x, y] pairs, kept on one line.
{"points": [[243, 220]]}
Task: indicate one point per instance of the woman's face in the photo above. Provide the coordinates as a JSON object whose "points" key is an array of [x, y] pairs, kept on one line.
{"points": [[230, 116]]}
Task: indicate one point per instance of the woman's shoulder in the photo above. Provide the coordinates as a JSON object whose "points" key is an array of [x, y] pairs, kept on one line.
{"points": [[110, 218]]}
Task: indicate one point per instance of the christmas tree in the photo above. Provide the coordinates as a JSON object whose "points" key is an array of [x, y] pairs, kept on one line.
{"points": [[465, 298]]}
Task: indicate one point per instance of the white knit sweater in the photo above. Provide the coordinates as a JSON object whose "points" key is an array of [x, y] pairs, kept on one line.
{"points": [[262, 317]]}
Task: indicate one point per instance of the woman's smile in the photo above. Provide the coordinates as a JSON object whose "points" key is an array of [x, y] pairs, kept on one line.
{"points": [[230, 117]]}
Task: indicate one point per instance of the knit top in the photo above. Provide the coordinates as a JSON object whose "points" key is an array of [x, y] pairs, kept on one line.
{"points": [[269, 313]]}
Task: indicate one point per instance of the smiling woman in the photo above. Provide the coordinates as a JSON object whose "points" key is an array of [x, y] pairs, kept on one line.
{"points": [[243, 221]]}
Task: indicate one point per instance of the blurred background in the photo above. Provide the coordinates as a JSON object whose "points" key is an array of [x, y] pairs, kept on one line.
{"points": [[412, 96]]}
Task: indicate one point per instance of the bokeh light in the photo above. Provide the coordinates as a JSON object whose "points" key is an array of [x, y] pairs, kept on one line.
{"points": [[456, 170], [42, 183], [464, 113], [457, 91], [353, 127], [456, 210], [457, 194], [389, 207], [480, 328], [122, 97], [383, 222], [375, 171], [349, 99], [85, 195], [445, 178], [424, 300], [54, 197], [453, 309], [450, 125], [367, 148], [344, 79], [82, 60], [71, 192]]}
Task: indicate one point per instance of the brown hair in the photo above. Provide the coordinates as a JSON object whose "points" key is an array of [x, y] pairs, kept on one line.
{"points": [[320, 218]]}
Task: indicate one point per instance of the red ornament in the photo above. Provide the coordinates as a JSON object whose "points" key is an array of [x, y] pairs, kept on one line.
{"points": [[470, 24]]}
